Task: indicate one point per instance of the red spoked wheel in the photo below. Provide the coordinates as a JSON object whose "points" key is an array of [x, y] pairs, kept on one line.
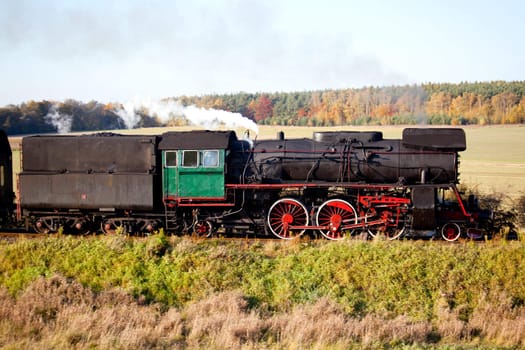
{"points": [[450, 232], [287, 218], [203, 228], [385, 222], [336, 215]]}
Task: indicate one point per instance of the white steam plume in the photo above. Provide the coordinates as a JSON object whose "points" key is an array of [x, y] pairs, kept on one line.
{"points": [[62, 122], [169, 110]]}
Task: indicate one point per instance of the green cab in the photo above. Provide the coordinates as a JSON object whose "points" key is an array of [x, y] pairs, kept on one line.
{"points": [[194, 164]]}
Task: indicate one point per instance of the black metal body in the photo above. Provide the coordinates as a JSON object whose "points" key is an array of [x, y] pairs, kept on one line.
{"points": [[102, 172], [423, 155], [6, 178], [336, 182]]}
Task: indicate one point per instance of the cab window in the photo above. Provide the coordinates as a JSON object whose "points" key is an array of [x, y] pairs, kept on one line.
{"points": [[210, 159], [190, 159], [170, 159]]}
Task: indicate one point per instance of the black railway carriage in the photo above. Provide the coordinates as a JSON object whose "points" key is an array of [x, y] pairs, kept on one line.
{"points": [[336, 183]]}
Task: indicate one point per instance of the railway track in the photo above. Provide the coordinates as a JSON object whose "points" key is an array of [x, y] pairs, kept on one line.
{"points": [[13, 236]]}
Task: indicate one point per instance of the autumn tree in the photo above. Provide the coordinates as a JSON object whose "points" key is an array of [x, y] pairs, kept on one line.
{"points": [[502, 104], [263, 108], [517, 113]]}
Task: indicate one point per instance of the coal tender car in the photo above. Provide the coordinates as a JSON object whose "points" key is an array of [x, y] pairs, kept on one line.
{"points": [[338, 184], [81, 183]]}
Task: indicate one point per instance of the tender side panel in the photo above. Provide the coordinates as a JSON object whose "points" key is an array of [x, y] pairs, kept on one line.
{"points": [[87, 191], [95, 153]]}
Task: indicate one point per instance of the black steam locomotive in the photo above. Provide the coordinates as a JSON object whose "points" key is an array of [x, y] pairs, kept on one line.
{"points": [[339, 184]]}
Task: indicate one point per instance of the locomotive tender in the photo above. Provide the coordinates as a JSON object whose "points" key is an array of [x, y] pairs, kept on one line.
{"points": [[337, 183]]}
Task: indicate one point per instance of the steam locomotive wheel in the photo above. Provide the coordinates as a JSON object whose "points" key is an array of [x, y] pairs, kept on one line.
{"points": [[203, 229], [335, 214], [450, 232], [44, 226], [148, 227], [287, 218], [392, 226], [111, 226], [80, 226]]}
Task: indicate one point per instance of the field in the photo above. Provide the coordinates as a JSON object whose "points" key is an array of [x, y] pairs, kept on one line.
{"points": [[494, 161]]}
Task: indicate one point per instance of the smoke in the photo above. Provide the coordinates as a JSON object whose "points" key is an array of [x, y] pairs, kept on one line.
{"points": [[167, 110], [62, 122], [164, 111]]}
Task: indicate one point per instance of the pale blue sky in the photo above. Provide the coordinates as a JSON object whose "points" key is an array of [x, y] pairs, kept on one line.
{"points": [[113, 51]]}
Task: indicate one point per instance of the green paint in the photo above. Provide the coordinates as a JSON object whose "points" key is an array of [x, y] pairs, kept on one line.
{"points": [[185, 173]]}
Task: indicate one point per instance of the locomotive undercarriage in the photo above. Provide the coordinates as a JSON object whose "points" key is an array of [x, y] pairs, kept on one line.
{"points": [[340, 213], [369, 211], [82, 223], [333, 212]]}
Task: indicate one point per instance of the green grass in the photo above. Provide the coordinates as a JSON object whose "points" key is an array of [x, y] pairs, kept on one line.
{"points": [[473, 287]]}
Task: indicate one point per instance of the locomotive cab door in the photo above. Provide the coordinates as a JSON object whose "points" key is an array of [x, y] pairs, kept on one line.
{"points": [[170, 173]]}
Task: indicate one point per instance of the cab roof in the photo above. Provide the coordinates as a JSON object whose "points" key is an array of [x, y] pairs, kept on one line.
{"points": [[197, 139]]}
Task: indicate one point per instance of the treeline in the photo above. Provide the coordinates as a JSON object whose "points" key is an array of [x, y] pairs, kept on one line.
{"points": [[485, 103], [70, 115]]}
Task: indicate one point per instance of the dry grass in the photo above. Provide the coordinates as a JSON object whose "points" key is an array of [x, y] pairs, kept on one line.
{"points": [[59, 313], [223, 321], [503, 321], [62, 314]]}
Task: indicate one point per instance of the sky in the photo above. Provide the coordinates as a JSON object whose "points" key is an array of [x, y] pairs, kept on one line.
{"points": [[116, 51]]}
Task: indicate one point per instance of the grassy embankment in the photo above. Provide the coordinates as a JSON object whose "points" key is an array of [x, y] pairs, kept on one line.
{"points": [[163, 292]]}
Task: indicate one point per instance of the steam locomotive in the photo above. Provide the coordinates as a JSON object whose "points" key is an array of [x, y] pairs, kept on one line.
{"points": [[338, 184]]}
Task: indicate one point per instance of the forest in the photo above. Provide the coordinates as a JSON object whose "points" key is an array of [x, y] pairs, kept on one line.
{"points": [[477, 103]]}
